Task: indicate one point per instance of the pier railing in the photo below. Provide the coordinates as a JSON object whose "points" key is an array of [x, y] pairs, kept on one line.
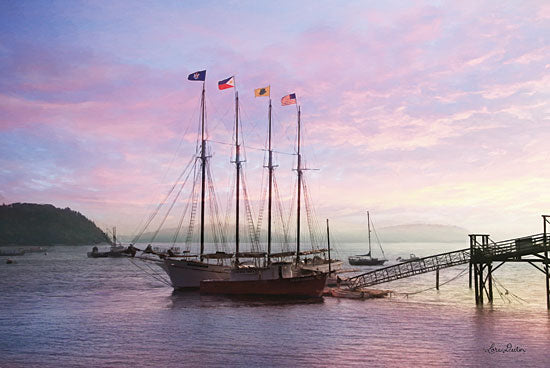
{"points": [[506, 249]]}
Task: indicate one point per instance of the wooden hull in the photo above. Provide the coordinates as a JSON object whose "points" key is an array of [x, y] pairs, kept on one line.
{"points": [[107, 254], [335, 265], [187, 274], [357, 294], [300, 287]]}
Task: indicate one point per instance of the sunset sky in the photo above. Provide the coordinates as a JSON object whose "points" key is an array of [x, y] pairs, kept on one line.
{"points": [[432, 112]]}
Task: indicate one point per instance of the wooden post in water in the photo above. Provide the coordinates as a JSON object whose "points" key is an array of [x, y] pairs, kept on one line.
{"points": [[476, 289], [490, 280], [471, 255], [481, 283], [437, 279]]}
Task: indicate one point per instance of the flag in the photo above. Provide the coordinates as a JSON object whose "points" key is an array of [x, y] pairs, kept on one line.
{"points": [[226, 83], [197, 76], [289, 99], [261, 92]]}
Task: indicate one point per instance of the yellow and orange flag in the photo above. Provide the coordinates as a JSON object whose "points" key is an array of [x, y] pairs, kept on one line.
{"points": [[261, 92]]}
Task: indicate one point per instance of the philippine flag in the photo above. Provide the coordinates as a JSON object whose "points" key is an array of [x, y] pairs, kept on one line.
{"points": [[289, 99], [226, 83]]}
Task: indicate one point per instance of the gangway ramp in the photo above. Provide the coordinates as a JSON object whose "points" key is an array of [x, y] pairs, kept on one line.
{"points": [[410, 268], [485, 251]]}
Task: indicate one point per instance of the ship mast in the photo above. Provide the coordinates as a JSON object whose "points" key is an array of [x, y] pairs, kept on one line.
{"points": [[368, 223], [203, 168], [328, 244], [299, 170], [238, 171], [269, 200]]}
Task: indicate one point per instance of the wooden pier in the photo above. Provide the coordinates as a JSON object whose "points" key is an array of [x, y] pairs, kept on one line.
{"points": [[482, 254]]}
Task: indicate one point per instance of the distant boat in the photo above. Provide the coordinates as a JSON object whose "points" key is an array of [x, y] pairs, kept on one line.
{"points": [[412, 257], [116, 250], [12, 252], [35, 250], [367, 259]]}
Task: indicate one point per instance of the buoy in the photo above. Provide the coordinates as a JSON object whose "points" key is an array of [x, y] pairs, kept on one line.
{"points": [[9, 261]]}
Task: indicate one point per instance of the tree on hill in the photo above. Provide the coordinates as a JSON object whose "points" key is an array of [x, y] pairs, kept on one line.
{"points": [[44, 224]]}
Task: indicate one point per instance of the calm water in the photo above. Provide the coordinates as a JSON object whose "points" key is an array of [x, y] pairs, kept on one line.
{"points": [[63, 309]]}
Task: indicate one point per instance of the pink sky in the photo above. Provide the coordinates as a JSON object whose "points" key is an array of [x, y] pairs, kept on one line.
{"points": [[421, 113]]}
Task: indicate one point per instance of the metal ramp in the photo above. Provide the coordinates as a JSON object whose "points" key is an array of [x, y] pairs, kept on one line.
{"points": [[484, 251], [410, 268]]}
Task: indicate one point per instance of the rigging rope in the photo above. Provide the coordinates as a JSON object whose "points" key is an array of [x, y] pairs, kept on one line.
{"points": [[154, 275], [378, 239], [217, 225], [506, 292], [159, 206], [171, 207], [285, 240], [460, 274], [249, 216], [186, 208], [194, 204]]}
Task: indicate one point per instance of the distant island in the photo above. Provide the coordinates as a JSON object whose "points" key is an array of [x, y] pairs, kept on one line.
{"points": [[409, 233], [423, 233], [44, 224]]}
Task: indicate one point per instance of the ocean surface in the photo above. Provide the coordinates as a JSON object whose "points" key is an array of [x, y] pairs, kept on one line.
{"points": [[62, 309]]}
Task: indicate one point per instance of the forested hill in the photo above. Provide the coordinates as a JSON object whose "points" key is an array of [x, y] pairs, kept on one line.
{"points": [[44, 224]]}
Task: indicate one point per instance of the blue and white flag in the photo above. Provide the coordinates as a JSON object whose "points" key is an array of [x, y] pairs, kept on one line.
{"points": [[197, 76]]}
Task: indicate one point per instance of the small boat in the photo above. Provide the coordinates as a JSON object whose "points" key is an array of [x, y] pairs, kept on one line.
{"points": [[12, 252], [411, 258], [35, 250], [348, 294], [115, 251], [367, 259]]}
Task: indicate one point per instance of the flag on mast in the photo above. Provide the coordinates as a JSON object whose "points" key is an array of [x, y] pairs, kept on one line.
{"points": [[289, 99], [197, 76], [261, 92], [226, 83]]}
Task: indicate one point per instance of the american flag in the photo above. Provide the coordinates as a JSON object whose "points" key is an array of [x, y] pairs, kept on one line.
{"points": [[289, 99]]}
